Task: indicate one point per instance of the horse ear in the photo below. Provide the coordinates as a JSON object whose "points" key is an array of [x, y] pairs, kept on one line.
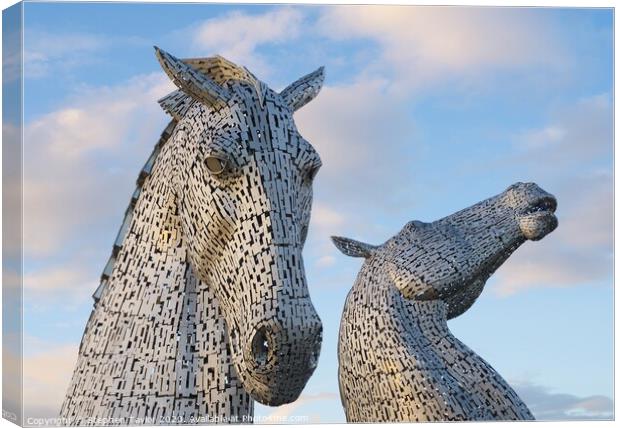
{"points": [[191, 81], [176, 104], [302, 91], [353, 248]]}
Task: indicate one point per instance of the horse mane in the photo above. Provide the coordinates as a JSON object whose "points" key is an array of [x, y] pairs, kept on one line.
{"points": [[176, 104], [220, 70], [122, 232]]}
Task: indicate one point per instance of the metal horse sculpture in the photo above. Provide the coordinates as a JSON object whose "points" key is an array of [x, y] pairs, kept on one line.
{"points": [[203, 306], [398, 361]]}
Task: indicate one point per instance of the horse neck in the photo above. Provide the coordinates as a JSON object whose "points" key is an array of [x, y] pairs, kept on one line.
{"points": [[154, 279], [387, 341], [395, 322]]}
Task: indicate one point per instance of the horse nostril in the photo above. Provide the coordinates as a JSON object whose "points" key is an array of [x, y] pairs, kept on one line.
{"points": [[260, 347]]}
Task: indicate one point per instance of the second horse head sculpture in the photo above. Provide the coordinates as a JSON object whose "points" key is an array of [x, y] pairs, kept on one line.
{"points": [[398, 361]]}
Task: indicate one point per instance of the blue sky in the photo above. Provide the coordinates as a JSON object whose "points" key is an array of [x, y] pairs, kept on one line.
{"points": [[425, 111]]}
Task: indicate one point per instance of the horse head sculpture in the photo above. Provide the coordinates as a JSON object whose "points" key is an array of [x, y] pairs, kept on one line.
{"points": [[203, 304], [243, 188], [398, 361], [452, 258]]}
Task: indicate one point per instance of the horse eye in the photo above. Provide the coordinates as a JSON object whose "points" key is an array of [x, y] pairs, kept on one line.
{"points": [[216, 165]]}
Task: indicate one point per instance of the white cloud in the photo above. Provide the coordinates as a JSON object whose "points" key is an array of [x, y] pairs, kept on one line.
{"points": [[572, 158], [367, 144], [11, 176], [588, 221], [237, 35], [45, 51], [364, 138], [12, 55], [325, 219], [577, 133], [552, 406], [46, 378], [343, 122], [420, 44], [550, 266], [325, 261], [98, 118], [68, 182], [548, 136], [58, 279], [48, 53]]}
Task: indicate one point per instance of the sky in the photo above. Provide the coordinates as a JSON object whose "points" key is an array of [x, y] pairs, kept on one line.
{"points": [[424, 111]]}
